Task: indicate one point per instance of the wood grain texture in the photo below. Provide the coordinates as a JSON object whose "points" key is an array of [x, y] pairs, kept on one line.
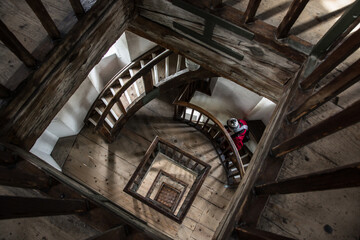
{"points": [[78, 8], [66, 68], [295, 9], [251, 9]]}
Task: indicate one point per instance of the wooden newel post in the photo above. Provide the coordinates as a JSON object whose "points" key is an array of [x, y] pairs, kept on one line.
{"points": [[340, 177]]}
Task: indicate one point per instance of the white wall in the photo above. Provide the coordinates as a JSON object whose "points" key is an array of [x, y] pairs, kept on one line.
{"points": [[137, 45]]}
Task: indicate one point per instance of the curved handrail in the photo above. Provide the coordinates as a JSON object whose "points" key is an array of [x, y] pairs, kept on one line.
{"points": [[119, 74], [238, 164], [139, 74]]}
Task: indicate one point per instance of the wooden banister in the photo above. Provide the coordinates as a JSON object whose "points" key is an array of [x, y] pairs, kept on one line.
{"points": [[343, 119], [238, 163], [345, 80], [339, 177], [140, 73]]}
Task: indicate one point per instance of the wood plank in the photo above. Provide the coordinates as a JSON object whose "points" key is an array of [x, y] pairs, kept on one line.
{"points": [[256, 234], [350, 45], [115, 233], [250, 11], [334, 178], [10, 41], [342, 82], [341, 25], [78, 8], [20, 207], [148, 82], [36, 104], [40, 11], [295, 9], [343, 119]]}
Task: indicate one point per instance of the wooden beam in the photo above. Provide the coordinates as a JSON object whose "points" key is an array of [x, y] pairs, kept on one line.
{"points": [[20, 207], [4, 92], [342, 82], [341, 25], [11, 42], [350, 45], [115, 233], [251, 9], [44, 17], [256, 234], [37, 103], [239, 202], [343, 119], [218, 63], [21, 178], [78, 8], [339, 177], [296, 7]]}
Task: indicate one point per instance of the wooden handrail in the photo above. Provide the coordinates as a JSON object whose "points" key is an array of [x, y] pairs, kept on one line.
{"points": [[118, 75], [137, 75], [238, 164]]}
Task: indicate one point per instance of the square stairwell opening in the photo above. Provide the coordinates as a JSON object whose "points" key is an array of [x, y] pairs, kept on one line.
{"points": [[167, 179]]}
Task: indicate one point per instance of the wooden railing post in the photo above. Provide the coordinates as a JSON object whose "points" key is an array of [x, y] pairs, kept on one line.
{"points": [[251, 10], [296, 7], [20, 207], [345, 80], [148, 82], [78, 8], [350, 45], [339, 177], [44, 17], [343, 119], [11, 42]]}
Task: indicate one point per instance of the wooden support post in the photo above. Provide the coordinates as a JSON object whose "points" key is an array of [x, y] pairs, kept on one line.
{"points": [[115, 233], [20, 207], [349, 46], [44, 17], [296, 7], [341, 25], [343, 119], [251, 10], [148, 82], [345, 80], [339, 177], [256, 234], [78, 8], [11, 42]]}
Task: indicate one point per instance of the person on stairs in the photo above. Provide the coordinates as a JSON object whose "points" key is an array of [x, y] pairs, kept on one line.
{"points": [[239, 131]]}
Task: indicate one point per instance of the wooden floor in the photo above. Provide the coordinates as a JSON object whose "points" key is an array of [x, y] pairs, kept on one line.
{"points": [[107, 168]]}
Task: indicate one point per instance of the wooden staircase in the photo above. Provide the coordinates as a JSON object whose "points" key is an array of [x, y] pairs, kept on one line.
{"points": [[131, 88]]}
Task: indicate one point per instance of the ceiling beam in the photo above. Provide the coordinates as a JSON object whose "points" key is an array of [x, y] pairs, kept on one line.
{"points": [[248, 73], [49, 88]]}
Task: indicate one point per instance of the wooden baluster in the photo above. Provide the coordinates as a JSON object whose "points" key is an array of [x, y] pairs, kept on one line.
{"points": [[205, 123], [167, 66], [121, 106], [197, 123], [20, 207], [256, 234], [349, 46], [296, 7], [341, 120], [11, 42], [178, 63], [192, 113], [148, 82], [251, 10], [345, 80], [339, 177], [44, 17], [341, 26], [78, 8], [156, 72]]}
